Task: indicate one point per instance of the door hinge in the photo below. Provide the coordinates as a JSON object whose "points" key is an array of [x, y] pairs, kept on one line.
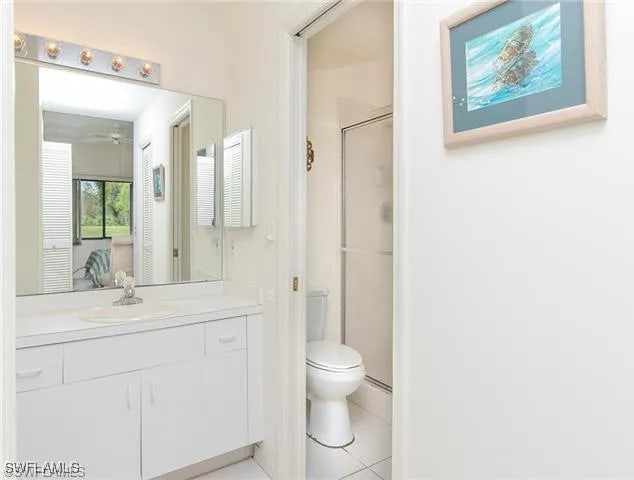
{"points": [[295, 284], [175, 252]]}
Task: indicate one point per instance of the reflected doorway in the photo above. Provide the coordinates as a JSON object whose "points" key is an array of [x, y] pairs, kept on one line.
{"points": [[181, 190]]}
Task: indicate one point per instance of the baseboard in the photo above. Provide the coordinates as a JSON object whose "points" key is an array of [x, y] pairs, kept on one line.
{"points": [[264, 460], [206, 466], [374, 400]]}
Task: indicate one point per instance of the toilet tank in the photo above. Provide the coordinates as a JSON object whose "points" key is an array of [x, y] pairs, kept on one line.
{"points": [[316, 314]]}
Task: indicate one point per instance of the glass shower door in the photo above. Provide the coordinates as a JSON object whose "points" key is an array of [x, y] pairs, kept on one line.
{"points": [[367, 245]]}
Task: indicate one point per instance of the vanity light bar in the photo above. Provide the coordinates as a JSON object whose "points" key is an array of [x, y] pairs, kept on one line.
{"points": [[47, 50]]}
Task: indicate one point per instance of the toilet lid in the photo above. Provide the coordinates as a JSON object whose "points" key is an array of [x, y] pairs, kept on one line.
{"points": [[332, 355]]}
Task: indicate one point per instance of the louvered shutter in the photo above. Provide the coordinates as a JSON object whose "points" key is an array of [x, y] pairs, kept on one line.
{"points": [[205, 188], [57, 225], [148, 211], [237, 180], [233, 186]]}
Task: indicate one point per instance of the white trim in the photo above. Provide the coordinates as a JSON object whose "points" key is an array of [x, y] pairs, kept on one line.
{"points": [[291, 422], [7, 237], [400, 370]]}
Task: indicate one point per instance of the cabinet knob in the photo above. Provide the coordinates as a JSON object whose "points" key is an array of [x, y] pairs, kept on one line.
{"points": [[227, 339]]}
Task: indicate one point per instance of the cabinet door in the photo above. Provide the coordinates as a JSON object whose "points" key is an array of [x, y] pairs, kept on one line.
{"points": [[174, 430], [226, 402], [95, 423]]}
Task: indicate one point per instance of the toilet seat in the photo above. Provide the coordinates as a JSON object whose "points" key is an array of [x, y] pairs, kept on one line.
{"points": [[332, 357]]}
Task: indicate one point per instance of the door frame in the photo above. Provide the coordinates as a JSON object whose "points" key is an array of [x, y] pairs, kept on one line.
{"points": [[7, 237], [184, 113], [290, 461]]}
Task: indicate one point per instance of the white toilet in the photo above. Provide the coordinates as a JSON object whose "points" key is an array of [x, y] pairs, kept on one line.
{"points": [[333, 371]]}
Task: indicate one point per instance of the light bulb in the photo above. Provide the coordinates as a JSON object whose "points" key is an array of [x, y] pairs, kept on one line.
{"points": [[117, 64], [52, 49], [18, 42], [145, 70], [86, 57]]}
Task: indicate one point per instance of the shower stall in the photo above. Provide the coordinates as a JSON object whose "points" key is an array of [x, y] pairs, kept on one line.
{"points": [[367, 212]]}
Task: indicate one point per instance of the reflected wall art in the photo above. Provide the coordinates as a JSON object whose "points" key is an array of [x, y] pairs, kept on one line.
{"points": [[514, 66]]}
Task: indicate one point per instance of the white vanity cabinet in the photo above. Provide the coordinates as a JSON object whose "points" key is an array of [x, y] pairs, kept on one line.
{"points": [[173, 426], [95, 422], [140, 405]]}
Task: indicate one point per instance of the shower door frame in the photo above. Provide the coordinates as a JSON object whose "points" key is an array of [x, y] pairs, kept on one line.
{"points": [[343, 249]]}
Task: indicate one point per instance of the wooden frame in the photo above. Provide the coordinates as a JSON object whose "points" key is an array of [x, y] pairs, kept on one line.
{"points": [[595, 107]]}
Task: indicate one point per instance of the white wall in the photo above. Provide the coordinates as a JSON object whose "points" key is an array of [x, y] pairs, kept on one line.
{"points": [[154, 125], [186, 38], [515, 283], [349, 78], [28, 120]]}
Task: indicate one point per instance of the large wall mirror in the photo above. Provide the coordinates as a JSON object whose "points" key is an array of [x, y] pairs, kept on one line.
{"points": [[114, 176]]}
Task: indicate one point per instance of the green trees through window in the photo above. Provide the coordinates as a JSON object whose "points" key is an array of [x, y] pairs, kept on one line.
{"points": [[106, 208]]}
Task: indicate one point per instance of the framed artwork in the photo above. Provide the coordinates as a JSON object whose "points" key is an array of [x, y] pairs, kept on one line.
{"points": [[516, 66], [158, 181]]}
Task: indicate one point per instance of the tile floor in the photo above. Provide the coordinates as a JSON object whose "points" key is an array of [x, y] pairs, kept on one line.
{"points": [[368, 458]]}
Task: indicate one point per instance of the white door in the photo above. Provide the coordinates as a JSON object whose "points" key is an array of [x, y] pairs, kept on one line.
{"points": [[174, 427], [57, 214], [226, 402], [95, 423]]}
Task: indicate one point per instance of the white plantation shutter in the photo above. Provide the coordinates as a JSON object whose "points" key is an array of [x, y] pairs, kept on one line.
{"points": [[148, 211], [57, 225], [232, 196], [237, 180], [205, 190]]}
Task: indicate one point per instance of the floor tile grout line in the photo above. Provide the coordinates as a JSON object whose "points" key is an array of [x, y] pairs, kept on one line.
{"points": [[358, 471], [376, 463]]}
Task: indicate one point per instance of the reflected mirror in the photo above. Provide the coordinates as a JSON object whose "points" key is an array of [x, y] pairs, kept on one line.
{"points": [[112, 176]]}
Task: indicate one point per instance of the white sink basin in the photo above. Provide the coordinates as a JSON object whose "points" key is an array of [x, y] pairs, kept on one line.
{"points": [[129, 313]]}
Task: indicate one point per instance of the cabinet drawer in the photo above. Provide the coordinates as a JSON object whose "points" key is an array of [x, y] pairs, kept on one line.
{"points": [[38, 367], [125, 353], [226, 335]]}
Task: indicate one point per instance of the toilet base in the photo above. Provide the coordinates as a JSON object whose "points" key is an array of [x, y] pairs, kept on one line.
{"points": [[329, 422]]}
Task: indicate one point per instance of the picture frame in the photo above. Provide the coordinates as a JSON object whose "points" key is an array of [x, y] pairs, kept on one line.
{"points": [[158, 182], [511, 67]]}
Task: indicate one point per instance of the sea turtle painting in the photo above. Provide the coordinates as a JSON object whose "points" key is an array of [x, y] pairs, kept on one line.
{"points": [[518, 70], [515, 46], [516, 60]]}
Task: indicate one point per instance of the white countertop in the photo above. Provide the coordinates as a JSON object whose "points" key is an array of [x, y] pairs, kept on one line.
{"points": [[48, 319]]}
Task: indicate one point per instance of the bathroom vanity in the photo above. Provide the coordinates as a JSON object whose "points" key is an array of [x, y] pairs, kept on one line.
{"points": [[138, 398]]}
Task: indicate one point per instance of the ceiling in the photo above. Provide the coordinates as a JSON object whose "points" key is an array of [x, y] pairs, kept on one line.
{"points": [[84, 94], [362, 35], [71, 128]]}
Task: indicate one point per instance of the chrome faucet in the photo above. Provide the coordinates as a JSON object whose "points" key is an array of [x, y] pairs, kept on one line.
{"points": [[128, 297]]}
